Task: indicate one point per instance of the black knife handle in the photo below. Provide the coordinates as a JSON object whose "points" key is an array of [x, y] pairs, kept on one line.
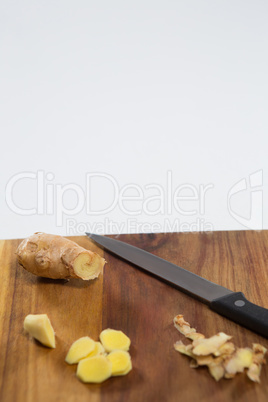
{"points": [[238, 309]]}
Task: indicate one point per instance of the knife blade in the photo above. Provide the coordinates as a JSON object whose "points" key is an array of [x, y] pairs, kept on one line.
{"points": [[228, 303]]}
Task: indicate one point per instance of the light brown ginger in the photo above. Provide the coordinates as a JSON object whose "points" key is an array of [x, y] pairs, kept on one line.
{"points": [[56, 257]]}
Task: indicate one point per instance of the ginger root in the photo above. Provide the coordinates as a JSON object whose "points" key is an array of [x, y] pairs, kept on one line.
{"points": [[80, 349], [221, 356], [114, 340], [56, 257], [94, 369], [39, 327]]}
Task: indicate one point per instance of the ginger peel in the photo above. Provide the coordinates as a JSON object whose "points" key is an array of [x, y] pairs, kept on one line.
{"points": [[221, 356]]}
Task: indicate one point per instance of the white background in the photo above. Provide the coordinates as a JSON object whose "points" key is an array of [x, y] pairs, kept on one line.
{"points": [[137, 91]]}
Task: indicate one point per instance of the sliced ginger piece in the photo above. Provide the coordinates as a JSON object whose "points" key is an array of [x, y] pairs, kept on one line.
{"points": [[80, 349], [121, 362], [114, 340], [98, 350], [94, 369], [39, 326], [126, 371]]}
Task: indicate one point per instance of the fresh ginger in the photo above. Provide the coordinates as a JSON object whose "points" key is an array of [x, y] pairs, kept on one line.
{"points": [[121, 362], [94, 369], [80, 349], [114, 340], [39, 326], [56, 257]]}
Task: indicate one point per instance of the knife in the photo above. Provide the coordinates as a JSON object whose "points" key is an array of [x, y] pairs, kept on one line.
{"points": [[232, 305]]}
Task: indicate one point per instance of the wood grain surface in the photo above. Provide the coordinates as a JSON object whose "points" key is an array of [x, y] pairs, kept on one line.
{"points": [[140, 305]]}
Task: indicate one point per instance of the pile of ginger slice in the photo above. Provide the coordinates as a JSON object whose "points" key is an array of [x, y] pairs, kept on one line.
{"points": [[219, 354]]}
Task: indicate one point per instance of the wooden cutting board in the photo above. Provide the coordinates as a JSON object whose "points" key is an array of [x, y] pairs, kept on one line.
{"points": [[141, 306]]}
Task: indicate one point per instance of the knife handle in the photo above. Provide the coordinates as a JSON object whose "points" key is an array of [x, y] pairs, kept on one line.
{"points": [[238, 309]]}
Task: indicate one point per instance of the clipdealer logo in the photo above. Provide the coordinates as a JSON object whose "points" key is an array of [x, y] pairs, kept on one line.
{"points": [[179, 207], [102, 194], [251, 188]]}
